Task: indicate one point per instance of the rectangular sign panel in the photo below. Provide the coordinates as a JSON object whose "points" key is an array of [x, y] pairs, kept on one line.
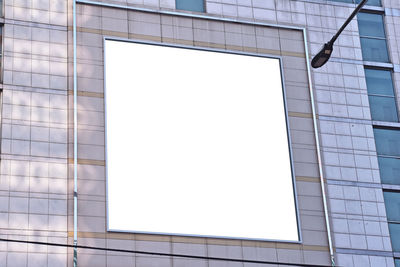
{"points": [[197, 143]]}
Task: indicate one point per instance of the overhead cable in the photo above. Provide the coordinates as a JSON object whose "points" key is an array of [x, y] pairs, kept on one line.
{"points": [[153, 253]]}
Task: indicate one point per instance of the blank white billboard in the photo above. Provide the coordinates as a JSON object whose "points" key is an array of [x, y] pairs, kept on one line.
{"points": [[197, 143]]}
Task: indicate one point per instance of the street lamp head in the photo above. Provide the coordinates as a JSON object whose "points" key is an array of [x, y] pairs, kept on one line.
{"points": [[323, 56]]}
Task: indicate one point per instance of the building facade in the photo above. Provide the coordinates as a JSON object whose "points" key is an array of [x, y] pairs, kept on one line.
{"points": [[343, 121]]}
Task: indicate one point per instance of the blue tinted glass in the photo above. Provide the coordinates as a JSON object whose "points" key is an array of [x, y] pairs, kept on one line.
{"points": [[371, 2], [397, 262], [389, 169], [374, 49], [379, 82], [392, 203], [190, 5], [394, 230], [387, 142], [371, 25], [383, 108]]}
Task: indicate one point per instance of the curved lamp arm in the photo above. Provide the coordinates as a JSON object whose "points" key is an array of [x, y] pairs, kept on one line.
{"points": [[325, 53]]}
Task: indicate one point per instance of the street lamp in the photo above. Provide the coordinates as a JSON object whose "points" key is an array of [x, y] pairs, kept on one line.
{"points": [[323, 56]]}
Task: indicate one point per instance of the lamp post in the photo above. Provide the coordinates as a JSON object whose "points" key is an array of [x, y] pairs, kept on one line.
{"points": [[323, 56]]}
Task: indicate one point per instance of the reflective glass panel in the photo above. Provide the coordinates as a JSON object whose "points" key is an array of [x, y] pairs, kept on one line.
{"points": [[383, 108], [371, 2], [389, 170], [394, 229], [190, 5], [397, 262], [1, 49], [374, 49], [392, 203], [371, 25], [379, 82], [387, 142]]}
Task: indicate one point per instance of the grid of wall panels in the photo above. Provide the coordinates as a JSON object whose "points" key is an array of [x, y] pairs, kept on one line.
{"points": [[383, 108], [36, 170]]}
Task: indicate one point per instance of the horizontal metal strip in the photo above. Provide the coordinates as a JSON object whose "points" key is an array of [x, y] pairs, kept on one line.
{"points": [[391, 187], [299, 114], [364, 252], [386, 124], [350, 183], [88, 94], [88, 162], [308, 179], [343, 119]]}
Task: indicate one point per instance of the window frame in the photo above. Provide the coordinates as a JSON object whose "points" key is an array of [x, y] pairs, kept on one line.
{"points": [[381, 155], [392, 222], [1, 52], [204, 7], [394, 96], [356, 2], [368, 37]]}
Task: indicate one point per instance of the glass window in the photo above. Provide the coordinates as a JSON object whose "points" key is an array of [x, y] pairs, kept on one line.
{"points": [[1, 50], [392, 202], [387, 142], [379, 82], [371, 25], [370, 2], [397, 262], [372, 35], [190, 5], [383, 108], [374, 49], [394, 229], [381, 95], [389, 170]]}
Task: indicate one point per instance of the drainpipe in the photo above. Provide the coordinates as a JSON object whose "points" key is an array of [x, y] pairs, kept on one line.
{"points": [[75, 138], [321, 172]]}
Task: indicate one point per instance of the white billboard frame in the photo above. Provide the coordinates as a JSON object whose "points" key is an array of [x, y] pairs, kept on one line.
{"points": [[296, 207]]}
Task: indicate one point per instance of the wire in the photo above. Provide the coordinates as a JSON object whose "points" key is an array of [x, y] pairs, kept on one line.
{"points": [[159, 253]]}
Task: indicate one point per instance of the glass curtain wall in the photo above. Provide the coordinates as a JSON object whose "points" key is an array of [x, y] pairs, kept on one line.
{"points": [[383, 107], [381, 95], [372, 37]]}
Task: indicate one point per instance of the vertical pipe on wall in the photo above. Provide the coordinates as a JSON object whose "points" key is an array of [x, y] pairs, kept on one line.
{"points": [[75, 137], [321, 172]]}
